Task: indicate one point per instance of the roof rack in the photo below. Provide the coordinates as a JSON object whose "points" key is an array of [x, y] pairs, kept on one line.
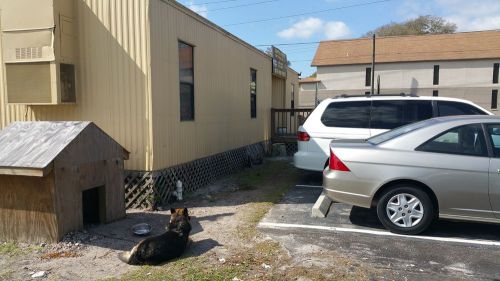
{"points": [[369, 96]]}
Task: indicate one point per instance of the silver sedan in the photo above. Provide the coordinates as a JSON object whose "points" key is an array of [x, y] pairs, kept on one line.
{"points": [[439, 168]]}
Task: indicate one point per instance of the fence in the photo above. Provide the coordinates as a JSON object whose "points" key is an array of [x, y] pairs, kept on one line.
{"points": [[285, 122]]}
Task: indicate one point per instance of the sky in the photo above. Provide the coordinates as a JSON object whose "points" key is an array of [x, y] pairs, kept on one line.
{"points": [[317, 20]]}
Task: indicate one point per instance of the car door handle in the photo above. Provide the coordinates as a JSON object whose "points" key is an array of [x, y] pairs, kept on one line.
{"points": [[498, 171]]}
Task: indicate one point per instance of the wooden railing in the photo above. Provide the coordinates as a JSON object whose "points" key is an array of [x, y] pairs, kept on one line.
{"points": [[285, 122]]}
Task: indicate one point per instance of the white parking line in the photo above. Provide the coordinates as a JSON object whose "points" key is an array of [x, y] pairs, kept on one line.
{"points": [[313, 186], [375, 232]]}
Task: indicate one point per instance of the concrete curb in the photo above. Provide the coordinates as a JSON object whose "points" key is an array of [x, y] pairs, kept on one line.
{"points": [[321, 207]]}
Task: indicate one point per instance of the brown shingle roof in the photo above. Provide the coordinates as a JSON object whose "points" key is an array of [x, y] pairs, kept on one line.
{"points": [[457, 46]]}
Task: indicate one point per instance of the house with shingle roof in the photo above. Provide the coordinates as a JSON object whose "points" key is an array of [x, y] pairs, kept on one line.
{"points": [[461, 65]]}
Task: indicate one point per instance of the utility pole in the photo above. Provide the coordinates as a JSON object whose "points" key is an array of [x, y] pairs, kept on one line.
{"points": [[373, 67]]}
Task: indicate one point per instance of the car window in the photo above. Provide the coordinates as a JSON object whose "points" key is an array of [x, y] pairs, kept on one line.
{"points": [[448, 108], [353, 114], [463, 140], [389, 135], [494, 134], [391, 114]]}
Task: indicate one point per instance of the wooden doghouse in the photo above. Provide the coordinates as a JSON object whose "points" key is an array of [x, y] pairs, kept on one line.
{"points": [[56, 177]]}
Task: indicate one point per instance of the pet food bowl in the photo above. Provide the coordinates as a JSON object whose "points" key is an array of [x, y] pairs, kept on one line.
{"points": [[141, 229]]}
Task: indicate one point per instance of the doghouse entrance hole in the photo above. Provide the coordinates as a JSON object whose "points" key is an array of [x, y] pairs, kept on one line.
{"points": [[93, 207]]}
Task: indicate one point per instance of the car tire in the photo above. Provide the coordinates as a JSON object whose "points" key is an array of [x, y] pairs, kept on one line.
{"points": [[406, 209]]}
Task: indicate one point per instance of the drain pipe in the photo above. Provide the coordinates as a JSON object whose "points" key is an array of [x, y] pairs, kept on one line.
{"points": [[178, 192]]}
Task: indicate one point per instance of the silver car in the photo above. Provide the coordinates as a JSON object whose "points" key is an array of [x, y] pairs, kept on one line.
{"points": [[445, 167]]}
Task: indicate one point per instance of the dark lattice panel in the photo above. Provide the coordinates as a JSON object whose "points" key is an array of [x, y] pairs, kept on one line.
{"points": [[291, 148], [143, 189]]}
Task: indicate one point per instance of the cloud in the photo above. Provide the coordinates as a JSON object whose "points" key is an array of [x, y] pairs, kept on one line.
{"points": [[336, 30], [309, 27], [468, 15], [202, 10]]}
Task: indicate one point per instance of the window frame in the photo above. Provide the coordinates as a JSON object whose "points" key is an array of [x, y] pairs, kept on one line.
{"points": [[368, 77], [494, 99], [192, 85], [487, 145], [435, 76], [496, 74], [253, 96]]}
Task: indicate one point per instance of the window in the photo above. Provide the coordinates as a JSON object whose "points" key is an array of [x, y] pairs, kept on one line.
{"points": [[396, 113], [354, 114], [448, 108], [435, 93], [367, 93], [68, 87], [463, 140], [392, 134], [435, 80], [494, 99], [186, 78], [494, 134], [253, 93], [495, 72], [293, 97], [368, 77]]}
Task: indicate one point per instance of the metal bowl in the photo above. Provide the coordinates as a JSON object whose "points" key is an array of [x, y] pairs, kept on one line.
{"points": [[141, 229]]}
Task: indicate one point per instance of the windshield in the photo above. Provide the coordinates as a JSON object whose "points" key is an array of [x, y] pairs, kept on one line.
{"points": [[389, 135]]}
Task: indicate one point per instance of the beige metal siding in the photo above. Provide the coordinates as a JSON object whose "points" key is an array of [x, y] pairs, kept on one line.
{"points": [[112, 76], [279, 92], [222, 92], [292, 78]]}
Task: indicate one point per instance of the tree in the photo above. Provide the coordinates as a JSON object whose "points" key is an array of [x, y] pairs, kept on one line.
{"points": [[419, 26]]}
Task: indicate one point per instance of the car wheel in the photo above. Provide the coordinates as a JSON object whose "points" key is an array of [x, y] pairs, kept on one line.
{"points": [[405, 209]]}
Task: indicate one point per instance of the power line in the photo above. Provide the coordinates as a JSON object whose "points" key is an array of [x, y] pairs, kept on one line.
{"points": [[309, 13], [237, 6], [212, 2]]}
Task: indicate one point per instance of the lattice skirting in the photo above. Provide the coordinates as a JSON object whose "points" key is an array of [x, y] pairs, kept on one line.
{"points": [[147, 189]]}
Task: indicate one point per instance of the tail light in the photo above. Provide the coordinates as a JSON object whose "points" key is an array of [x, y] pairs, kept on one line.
{"points": [[336, 164], [303, 136]]}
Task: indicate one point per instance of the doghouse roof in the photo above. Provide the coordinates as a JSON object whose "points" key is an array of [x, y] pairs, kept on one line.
{"points": [[29, 148]]}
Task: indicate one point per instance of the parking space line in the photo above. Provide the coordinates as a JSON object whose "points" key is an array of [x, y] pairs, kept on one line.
{"points": [[306, 185], [379, 233]]}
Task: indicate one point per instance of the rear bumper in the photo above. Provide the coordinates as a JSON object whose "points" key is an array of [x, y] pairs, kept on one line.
{"points": [[344, 187], [311, 161]]}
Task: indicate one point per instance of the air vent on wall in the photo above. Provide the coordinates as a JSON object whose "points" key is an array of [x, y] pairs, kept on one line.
{"points": [[29, 53]]}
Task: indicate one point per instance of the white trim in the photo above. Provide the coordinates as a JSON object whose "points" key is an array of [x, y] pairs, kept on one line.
{"points": [[377, 232]]}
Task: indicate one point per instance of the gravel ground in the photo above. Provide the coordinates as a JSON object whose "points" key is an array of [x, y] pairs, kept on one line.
{"points": [[225, 242]]}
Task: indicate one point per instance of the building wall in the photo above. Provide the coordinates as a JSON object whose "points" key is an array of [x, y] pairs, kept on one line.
{"points": [[222, 88], [472, 79], [307, 93], [112, 76], [292, 92]]}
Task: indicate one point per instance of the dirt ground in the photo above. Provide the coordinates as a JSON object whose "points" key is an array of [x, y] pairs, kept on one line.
{"points": [[226, 244]]}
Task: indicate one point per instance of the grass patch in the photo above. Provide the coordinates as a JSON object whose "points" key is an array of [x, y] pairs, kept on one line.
{"points": [[191, 268], [10, 249]]}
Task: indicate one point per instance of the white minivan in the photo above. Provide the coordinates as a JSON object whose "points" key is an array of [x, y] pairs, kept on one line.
{"points": [[361, 117]]}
